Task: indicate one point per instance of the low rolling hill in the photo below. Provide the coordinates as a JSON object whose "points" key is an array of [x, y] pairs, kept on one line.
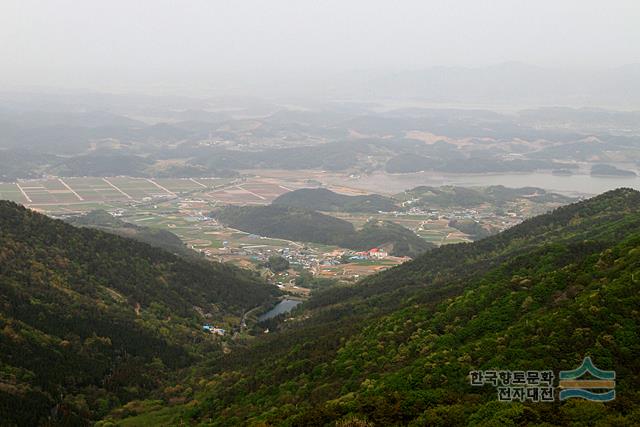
{"points": [[496, 195], [310, 226], [322, 199]]}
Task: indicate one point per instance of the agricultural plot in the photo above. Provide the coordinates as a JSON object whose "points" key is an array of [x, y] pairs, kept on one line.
{"points": [[266, 190], [77, 191], [139, 188], [11, 192], [94, 189], [71, 208], [357, 269], [79, 194], [50, 191], [180, 185], [237, 196], [212, 182], [192, 232], [254, 191], [441, 235]]}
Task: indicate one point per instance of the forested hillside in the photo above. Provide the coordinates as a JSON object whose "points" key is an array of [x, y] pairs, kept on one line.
{"points": [[321, 199], [496, 195], [309, 226], [397, 348], [90, 320]]}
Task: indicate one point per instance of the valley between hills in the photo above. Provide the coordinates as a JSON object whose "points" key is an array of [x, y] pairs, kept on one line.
{"points": [[101, 327]]}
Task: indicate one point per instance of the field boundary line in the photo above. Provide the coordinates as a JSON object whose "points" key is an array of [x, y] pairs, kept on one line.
{"points": [[251, 192], [199, 183], [24, 194], [71, 189], [161, 187], [109, 182]]}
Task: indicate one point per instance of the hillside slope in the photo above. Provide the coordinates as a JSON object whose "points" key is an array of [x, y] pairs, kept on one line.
{"points": [[321, 199], [309, 226], [496, 195], [163, 239], [90, 320], [397, 348]]}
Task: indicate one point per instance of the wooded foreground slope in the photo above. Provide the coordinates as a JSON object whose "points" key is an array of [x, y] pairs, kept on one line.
{"points": [[396, 348], [90, 320]]}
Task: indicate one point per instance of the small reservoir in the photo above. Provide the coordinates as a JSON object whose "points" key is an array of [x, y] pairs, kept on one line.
{"points": [[284, 306]]}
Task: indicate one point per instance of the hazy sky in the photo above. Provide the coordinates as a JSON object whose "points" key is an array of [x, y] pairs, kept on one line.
{"points": [[150, 43]]}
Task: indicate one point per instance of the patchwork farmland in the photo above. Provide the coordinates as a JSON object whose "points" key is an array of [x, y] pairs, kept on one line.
{"points": [[181, 206], [253, 191], [75, 194], [11, 191]]}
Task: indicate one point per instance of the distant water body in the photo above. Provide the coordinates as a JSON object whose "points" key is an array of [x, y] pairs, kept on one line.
{"points": [[284, 306], [578, 184]]}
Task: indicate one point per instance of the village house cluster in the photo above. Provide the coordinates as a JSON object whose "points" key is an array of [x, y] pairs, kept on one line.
{"points": [[213, 330]]}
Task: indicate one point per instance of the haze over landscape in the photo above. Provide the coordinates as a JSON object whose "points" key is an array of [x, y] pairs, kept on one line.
{"points": [[338, 213], [290, 49]]}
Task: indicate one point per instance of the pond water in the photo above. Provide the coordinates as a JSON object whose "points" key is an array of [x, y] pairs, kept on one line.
{"points": [[284, 306]]}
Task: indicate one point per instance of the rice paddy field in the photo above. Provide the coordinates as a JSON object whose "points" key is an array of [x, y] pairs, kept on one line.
{"points": [[439, 233], [53, 193], [10, 191], [67, 194]]}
